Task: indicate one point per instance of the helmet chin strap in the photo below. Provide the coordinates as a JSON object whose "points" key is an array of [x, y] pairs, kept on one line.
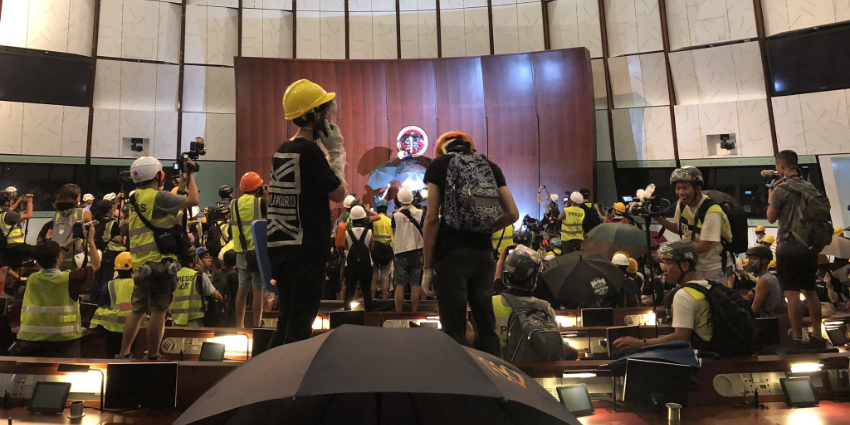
{"points": [[681, 273]]}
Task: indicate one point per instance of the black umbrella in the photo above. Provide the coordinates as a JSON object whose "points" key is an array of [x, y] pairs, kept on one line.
{"points": [[368, 375], [582, 278]]}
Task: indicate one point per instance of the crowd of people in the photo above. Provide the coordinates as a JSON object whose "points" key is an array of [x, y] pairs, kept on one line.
{"points": [[150, 255]]}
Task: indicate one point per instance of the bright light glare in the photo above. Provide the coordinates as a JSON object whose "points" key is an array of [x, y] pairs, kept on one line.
{"points": [[354, 304], [566, 321], [317, 324], [805, 367], [579, 375], [88, 382], [649, 318], [233, 344]]}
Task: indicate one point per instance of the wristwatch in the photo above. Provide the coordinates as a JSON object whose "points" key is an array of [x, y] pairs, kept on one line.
{"points": [[644, 341]]}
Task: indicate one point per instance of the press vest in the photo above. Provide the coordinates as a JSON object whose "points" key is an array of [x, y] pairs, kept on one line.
{"points": [[14, 234], [112, 318], [571, 225], [248, 208], [142, 245], [111, 244], [224, 232], [188, 303], [701, 330], [48, 313], [503, 238], [690, 228], [382, 230]]}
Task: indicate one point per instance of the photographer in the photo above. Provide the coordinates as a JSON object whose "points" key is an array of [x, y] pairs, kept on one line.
{"points": [[68, 215], [155, 271], [16, 249], [700, 221]]}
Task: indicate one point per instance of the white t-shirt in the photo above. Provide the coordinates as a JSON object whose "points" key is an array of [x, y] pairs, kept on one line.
{"points": [[358, 231], [407, 236], [691, 314], [711, 229]]}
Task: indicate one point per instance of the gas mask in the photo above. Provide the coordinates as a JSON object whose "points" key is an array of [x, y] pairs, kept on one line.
{"points": [[753, 266]]}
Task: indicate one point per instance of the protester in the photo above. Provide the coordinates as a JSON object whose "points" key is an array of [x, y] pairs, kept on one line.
{"points": [[115, 305], [155, 271], [303, 181], [51, 325], [407, 223], [358, 260], [592, 216], [760, 230], [462, 258], [796, 265], [16, 249], [618, 214], [768, 300], [67, 214], [251, 206], [383, 233]]}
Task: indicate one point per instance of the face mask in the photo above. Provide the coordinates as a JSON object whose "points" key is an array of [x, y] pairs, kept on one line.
{"points": [[752, 267]]}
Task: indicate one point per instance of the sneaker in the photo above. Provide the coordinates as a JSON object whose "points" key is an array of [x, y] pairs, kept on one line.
{"points": [[127, 357], [816, 342]]}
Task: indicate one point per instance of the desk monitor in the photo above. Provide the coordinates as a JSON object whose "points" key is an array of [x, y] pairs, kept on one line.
{"points": [[798, 392], [768, 330], [837, 336], [49, 397], [212, 352], [141, 386], [339, 318], [425, 324], [612, 334], [576, 399], [656, 383], [591, 317], [261, 339]]}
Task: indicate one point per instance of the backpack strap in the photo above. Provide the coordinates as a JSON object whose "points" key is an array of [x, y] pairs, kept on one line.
{"points": [[199, 277], [354, 238], [700, 215], [239, 223], [154, 229], [409, 216]]}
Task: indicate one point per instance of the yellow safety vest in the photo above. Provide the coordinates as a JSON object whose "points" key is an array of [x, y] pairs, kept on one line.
{"points": [[142, 245], [690, 228], [382, 230], [224, 232], [248, 208], [503, 314], [506, 236], [111, 243], [112, 318], [48, 313], [700, 329], [14, 234], [571, 225], [188, 303]]}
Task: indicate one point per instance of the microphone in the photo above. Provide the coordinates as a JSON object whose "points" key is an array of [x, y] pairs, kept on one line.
{"points": [[769, 173]]}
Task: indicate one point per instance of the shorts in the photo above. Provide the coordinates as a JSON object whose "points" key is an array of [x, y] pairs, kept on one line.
{"points": [[796, 269], [154, 293], [380, 272], [407, 267], [247, 278]]}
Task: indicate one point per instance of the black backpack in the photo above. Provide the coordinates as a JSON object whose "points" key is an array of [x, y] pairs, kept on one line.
{"points": [[359, 259], [733, 324], [591, 217], [533, 335], [382, 254]]}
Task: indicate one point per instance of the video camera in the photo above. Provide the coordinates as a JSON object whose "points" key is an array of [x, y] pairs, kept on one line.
{"points": [[645, 203], [533, 225], [196, 150], [770, 177], [6, 197], [125, 177]]}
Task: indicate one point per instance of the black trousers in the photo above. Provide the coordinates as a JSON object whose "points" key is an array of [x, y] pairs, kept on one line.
{"points": [[299, 282], [365, 281]]}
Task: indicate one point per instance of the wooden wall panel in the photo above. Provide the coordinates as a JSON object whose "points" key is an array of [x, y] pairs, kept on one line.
{"points": [[363, 119], [460, 99], [412, 98], [563, 107], [512, 125]]}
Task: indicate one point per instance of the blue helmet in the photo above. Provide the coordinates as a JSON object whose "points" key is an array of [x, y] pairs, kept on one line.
{"points": [[200, 252], [381, 203]]}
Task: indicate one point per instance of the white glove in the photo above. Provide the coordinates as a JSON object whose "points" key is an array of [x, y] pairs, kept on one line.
{"points": [[427, 276], [333, 140]]}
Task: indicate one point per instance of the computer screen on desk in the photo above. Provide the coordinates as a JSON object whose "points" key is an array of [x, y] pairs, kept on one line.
{"points": [[612, 334], [212, 352], [141, 386], [591, 317], [654, 384], [798, 392]]}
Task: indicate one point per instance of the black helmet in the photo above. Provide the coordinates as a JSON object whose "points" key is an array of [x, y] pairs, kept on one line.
{"points": [[225, 191], [585, 192], [679, 251], [521, 265], [760, 251], [522, 237], [687, 174]]}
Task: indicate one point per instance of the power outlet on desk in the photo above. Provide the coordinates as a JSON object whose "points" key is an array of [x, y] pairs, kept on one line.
{"points": [[24, 385], [268, 323], [186, 345], [767, 383]]}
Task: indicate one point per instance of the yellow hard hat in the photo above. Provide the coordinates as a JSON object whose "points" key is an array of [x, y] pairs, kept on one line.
{"points": [[123, 261], [633, 266], [760, 229], [619, 206], [174, 190], [837, 231], [769, 239], [772, 264], [302, 96]]}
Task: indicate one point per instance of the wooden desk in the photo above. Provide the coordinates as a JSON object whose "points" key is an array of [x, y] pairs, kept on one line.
{"points": [[20, 416], [775, 414]]}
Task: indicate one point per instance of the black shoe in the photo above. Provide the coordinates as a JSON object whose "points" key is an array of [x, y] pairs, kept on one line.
{"points": [[816, 342]]}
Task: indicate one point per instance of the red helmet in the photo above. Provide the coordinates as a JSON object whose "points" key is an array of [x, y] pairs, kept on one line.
{"points": [[250, 182]]}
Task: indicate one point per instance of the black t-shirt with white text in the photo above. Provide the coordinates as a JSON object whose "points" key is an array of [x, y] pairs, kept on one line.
{"points": [[299, 213], [448, 237]]}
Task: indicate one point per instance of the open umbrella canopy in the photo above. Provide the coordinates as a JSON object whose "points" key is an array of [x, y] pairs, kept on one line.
{"points": [[382, 176], [582, 278], [608, 238], [366, 375], [839, 248]]}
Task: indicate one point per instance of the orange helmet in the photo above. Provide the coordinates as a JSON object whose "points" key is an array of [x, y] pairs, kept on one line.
{"points": [[633, 266], [250, 182], [445, 139]]}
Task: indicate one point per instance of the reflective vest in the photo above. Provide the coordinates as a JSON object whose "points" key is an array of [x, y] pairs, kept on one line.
{"points": [[382, 230], [502, 239], [248, 208], [690, 227], [142, 245], [700, 329], [503, 315], [48, 313], [224, 232], [111, 243], [571, 226], [112, 318], [188, 303], [14, 234]]}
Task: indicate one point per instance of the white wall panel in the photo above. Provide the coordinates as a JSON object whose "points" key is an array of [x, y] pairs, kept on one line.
{"points": [[11, 126], [788, 119], [360, 38], [689, 138], [42, 134], [359, 6], [107, 84], [252, 33], [600, 97], [749, 73], [603, 137], [453, 32], [140, 29], [788, 15], [634, 26], [684, 78], [701, 22], [505, 29], [746, 119], [311, 5], [75, 128], [164, 143], [222, 30], [530, 27], [137, 124], [47, 26], [654, 77], [427, 21], [194, 83], [385, 42], [825, 122], [13, 26], [221, 137], [80, 22], [626, 83], [383, 5], [276, 4], [754, 129], [168, 39], [563, 24], [105, 130], [195, 46], [220, 90], [332, 5], [476, 31], [332, 36], [138, 86], [658, 133], [409, 31], [648, 26], [166, 87], [194, 125], [308, 43], [277, 34], [718, 74], [715, 74], [628, 143]]}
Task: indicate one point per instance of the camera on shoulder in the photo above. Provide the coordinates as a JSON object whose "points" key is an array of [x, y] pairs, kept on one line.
{"points": [[196, 150]]}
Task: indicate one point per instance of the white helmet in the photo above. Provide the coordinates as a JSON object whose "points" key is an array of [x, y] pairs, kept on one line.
{"points": [[193, 212], [358, 213], [109, 196], [145, 168], [405, 196], [577, 198], [347, 201], [553, 198], [11, 189], [620, 260], [88, 197]]}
